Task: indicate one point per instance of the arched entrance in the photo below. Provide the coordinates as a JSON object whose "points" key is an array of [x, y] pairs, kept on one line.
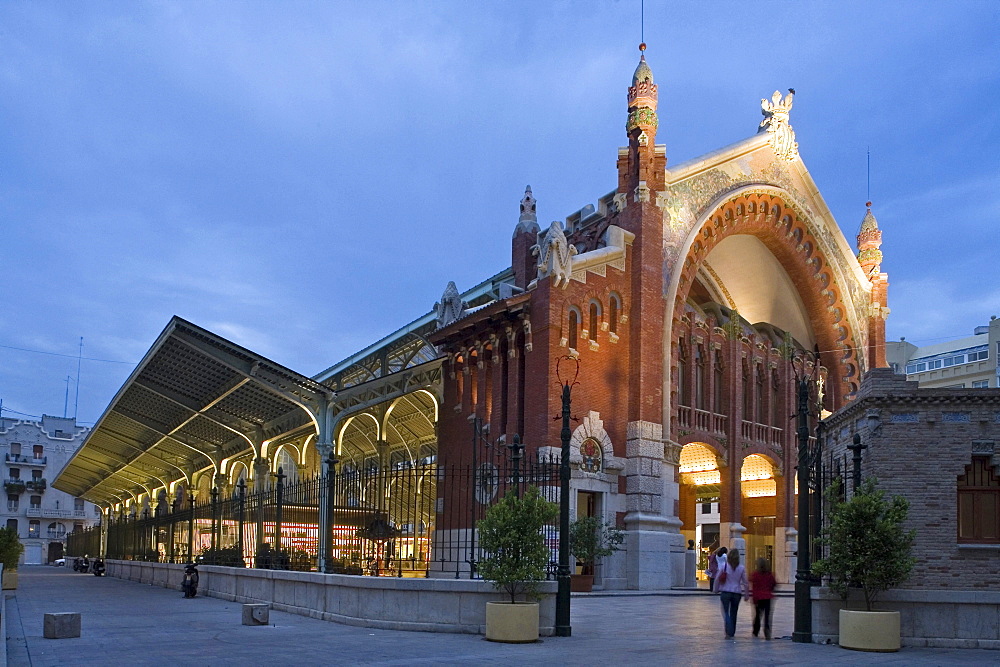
{"points": [[700, 500], [758, 491], [763, 296]]}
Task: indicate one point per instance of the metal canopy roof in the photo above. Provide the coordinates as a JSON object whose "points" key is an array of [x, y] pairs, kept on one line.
{"points": [[193, 400]]}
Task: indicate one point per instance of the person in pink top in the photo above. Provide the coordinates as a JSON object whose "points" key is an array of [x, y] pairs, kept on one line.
{"points": [[762, 585], [731, 583]]}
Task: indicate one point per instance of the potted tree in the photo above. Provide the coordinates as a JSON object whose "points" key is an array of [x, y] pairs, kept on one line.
{"points": [[10, 555], [514, 560], [869, 550], [591, 538]]}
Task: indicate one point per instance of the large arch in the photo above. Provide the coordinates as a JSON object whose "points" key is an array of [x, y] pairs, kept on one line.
{"points": [[767, 214]]}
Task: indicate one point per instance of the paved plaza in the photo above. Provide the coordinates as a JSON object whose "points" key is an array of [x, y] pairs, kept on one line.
{"points": [[135, 624]]}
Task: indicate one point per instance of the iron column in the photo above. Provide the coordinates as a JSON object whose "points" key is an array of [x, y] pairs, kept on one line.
{"points": [[803, 575], [563, 627]]}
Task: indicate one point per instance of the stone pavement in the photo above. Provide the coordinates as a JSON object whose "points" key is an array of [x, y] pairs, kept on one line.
{"points": [[135, 624]]}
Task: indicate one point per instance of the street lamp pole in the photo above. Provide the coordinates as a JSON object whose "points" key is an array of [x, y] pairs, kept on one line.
{"points": [[803, 575], [563, 627]]}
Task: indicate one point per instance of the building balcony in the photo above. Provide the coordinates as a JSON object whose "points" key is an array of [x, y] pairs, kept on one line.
{"points": [[14, 486], [762, 434], [49, 513], [22, 460], [36, 484], [702, 420]]}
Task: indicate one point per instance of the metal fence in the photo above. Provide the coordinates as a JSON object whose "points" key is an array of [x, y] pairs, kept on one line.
{"points": [[404, 520]]}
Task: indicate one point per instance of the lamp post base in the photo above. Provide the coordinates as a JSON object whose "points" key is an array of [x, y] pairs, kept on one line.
{"points": [[803, 613]]}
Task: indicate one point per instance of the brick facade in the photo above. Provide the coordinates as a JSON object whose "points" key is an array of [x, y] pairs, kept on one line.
{"points": [[919, 442], [626, 299]]}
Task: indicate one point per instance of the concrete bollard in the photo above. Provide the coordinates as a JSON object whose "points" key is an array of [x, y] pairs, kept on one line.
{"points": [[256, 614], [65, 625]]}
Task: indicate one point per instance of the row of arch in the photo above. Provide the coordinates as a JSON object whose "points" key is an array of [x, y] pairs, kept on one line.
{"points": [[400, 432], [586, 326]]}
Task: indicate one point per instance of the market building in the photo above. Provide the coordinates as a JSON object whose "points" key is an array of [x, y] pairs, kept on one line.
{"points": [[685, 304]]}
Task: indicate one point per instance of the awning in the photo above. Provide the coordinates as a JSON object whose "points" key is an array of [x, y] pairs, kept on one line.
{"points": [[194, 400]]}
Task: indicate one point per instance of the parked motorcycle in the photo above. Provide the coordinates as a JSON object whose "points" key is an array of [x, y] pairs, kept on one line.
{"points": [[98, 567], [78, 565], [190, 583]]}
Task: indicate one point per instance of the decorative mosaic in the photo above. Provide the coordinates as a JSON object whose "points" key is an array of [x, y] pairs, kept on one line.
{"points": [[956, 417], [983, 447], [684, 203], [905, 418]]}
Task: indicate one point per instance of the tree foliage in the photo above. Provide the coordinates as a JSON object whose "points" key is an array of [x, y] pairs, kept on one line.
{"points": [[591, 538], [511, 535], [869, 549], [10, 548]]}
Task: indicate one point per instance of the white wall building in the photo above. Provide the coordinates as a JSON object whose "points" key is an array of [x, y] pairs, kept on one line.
{"points": [[34, 452], [965, 363]]}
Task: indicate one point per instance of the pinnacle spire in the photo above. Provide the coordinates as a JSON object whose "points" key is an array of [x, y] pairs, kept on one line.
{"points": [[528, 220], [869, 243]]}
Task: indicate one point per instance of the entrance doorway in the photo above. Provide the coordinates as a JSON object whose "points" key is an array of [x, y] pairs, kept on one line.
{"points": [[587, 504], [760, 541], [55, 551]]}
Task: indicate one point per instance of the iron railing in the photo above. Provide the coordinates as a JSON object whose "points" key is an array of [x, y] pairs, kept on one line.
{"points": [[398, 520]]}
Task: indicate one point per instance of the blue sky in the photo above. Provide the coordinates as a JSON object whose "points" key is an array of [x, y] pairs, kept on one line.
{"points": [[304, 178]]}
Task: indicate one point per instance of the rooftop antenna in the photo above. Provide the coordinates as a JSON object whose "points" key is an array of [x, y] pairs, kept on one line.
{"points": [[66, 400], [79, 359], [869, 174], [642, 21]]}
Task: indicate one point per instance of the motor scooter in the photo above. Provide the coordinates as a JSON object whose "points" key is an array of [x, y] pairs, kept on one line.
{"points": [[78, 565], [190, 583], [98, 567]]}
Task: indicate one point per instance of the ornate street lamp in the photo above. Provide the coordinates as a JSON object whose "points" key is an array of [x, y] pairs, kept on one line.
{"points": [[563, 627], [856, 447], [807, 475]]}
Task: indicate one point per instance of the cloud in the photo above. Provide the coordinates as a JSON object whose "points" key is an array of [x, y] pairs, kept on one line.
{"points": [[933, 309]]}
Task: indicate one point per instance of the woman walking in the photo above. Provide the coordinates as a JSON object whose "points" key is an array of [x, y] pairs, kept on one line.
{"points": [[762, 585], [717, 559], [731, 582]]}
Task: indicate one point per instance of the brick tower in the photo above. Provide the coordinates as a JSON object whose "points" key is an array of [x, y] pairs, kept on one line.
{"points": [[870, 258]]}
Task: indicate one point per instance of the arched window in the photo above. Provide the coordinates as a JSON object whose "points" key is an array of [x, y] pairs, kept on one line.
{"points": [[574, 328], [288, 464], [979, 503], [614, 306], [747, 393], [595, 317], [772, 403], [593, 457], [683, 383], [699, 377], [718, 379], [759, 398]]}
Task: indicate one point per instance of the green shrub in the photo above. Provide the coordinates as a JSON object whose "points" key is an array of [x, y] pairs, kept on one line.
{"points": [[10, 548], [591, 538], [511, 535], [869, 549]]}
